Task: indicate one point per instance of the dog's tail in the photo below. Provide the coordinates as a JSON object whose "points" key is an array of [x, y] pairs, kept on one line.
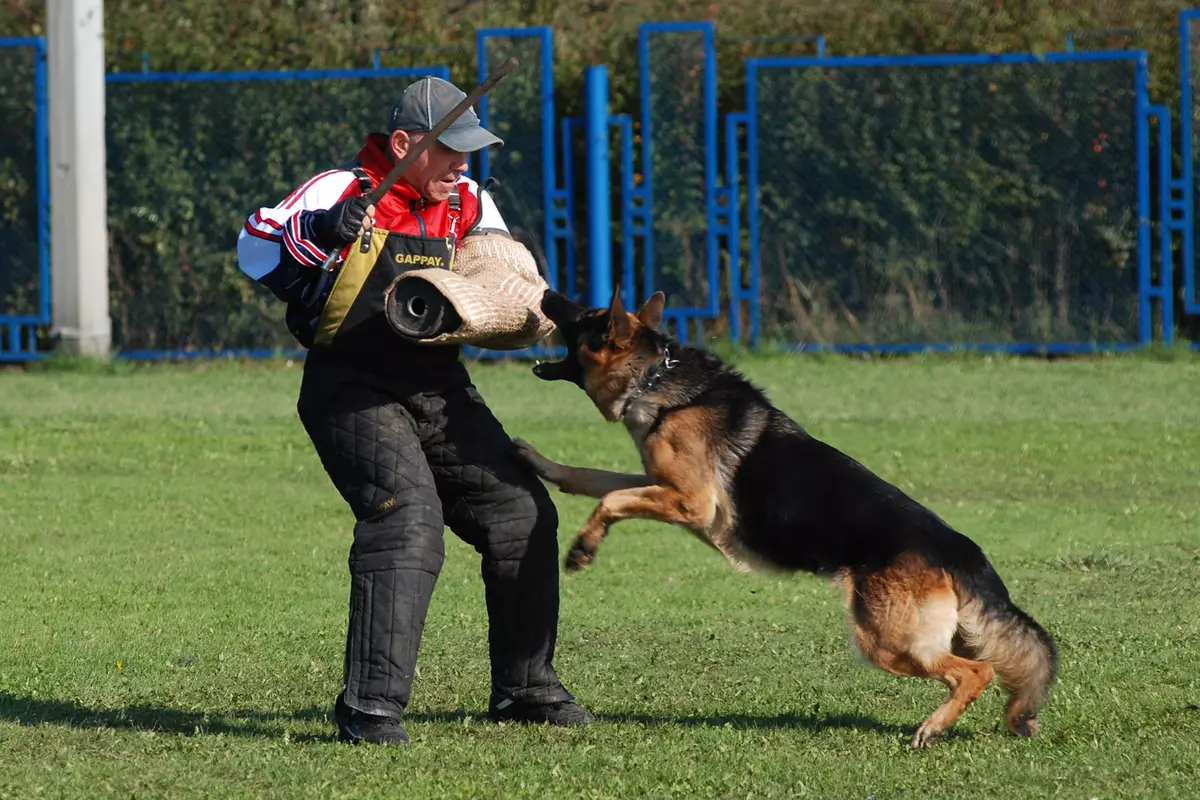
{"points": [[996, 631]]}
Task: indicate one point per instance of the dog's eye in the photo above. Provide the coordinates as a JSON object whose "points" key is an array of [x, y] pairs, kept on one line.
{"points": [[596, 342]]}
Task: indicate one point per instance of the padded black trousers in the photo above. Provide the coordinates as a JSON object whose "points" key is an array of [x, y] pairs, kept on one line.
{"points": [[409, 456]]}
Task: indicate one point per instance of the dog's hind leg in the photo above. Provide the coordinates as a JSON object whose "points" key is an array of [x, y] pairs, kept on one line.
{"points": [[577, 480], [904, 619], [967, 679]]}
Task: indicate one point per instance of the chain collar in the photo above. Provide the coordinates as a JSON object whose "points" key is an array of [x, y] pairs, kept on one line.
{"points": [[649, 378]]}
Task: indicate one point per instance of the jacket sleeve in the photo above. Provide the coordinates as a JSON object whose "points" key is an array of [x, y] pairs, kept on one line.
{"points": [[276, 244], [488, 220]]}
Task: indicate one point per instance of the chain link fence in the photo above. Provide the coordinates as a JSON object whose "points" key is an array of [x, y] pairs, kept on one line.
{"points": [[980, 203]]}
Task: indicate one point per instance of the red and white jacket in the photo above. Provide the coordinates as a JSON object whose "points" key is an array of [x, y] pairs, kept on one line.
{"points": [[402, 210]]}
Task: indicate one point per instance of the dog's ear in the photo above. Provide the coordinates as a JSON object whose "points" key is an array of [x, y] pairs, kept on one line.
{"points": [[651, 313], [619, 326]]}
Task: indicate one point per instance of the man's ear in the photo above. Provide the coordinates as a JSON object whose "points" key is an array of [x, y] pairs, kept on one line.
{"points": [[619, 328], [399, 142], [651, 313]]}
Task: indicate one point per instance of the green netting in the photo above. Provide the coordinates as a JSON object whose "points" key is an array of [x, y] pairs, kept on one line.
{"points": [[981, 204], [677, 152], [19, 289], [515, 115], [187, 163]]}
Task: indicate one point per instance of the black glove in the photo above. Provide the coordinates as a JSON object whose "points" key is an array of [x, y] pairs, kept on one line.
{"points": [[340, 225]]}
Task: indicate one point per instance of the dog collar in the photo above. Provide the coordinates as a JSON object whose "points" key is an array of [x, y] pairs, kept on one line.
{"points": [[646, 382]]}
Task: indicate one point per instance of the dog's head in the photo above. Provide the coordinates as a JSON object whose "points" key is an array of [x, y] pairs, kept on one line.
{"points": [[607, 348]]}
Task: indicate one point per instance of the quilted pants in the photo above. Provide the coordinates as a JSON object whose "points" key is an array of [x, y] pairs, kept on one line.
{"points": [[410, 455]]}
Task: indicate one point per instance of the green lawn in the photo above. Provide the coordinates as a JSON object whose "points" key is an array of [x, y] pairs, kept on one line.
{"points": [[173, 589]]}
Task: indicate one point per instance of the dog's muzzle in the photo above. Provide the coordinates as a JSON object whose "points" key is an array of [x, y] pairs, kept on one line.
{"points": [[555, 370], [564, 314]]}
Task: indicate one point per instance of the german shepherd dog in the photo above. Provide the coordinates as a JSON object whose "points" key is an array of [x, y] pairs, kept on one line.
{"points": [[721, 461]]}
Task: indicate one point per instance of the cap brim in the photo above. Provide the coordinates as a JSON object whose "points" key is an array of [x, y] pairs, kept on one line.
{"points": [[469, 138]]}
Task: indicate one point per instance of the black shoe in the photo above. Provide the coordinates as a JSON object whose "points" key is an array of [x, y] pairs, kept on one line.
{"points": [[564, 712], [355, 726]]}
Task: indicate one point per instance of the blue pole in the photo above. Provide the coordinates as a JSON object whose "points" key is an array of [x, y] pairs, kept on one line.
{"points": [[1166, 224], [485, 117], [1142, 128], [549, 171], [599, 194], [42, 136], [1187, 145], [711, 245]]}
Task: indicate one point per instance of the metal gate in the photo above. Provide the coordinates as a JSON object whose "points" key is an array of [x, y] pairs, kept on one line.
{"points": [[25, 201], [1189, 68], [677, 199], [997, 202]]}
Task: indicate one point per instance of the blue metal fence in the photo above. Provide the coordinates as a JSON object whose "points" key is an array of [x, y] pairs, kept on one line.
{"points": [[1170, 219], [865, 203], [679, 169], [25, 199], [1189, 69], [889, 218], [521, 111], [538, 209]]}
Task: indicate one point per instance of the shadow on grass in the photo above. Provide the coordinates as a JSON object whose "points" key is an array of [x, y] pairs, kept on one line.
{"points": [[793, 720], [32, 711]]}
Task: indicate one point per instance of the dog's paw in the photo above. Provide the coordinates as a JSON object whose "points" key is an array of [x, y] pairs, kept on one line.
{"points": [[527, 454], [581, 554], [926, 735], [1024, 726], [525, 451]]}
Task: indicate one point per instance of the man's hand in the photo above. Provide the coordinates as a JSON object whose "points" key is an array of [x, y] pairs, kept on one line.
{"points": [[344, 223]]}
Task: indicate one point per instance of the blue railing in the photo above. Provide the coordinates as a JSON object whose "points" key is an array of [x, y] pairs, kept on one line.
{"points": [[19, 326], [1187, 68], [1128, 332], [665, 95], [697, 207], [544, 174]]}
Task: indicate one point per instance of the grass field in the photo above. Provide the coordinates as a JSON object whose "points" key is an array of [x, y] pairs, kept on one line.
{"points": [[173, 589]]}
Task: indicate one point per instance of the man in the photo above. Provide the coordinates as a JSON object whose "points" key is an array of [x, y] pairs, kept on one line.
{"points": [[404, 436]]}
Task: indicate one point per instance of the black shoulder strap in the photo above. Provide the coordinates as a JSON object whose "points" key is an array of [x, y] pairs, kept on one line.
{"points": [[354, 165], [365, 185]]}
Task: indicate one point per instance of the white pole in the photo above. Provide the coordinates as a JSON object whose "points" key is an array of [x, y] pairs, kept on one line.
{"points": [[78, 192]]}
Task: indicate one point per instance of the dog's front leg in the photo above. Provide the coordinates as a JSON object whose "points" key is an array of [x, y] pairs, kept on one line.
{"points": [[692, 509], [577, 480]]}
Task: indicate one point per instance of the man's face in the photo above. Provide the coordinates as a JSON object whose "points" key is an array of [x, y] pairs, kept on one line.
{"points": [[436, 171]]}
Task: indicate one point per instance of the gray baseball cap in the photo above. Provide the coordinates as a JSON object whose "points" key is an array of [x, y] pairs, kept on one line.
{"points": [[423, 105]]}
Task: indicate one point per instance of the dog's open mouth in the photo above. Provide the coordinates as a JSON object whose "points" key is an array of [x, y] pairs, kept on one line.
{"points": [[564, 314]]}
